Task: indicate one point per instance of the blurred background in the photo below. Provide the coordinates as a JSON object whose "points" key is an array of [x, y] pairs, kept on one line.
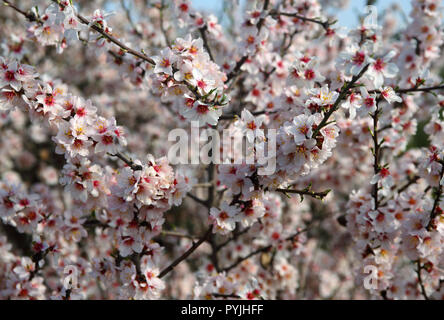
{"points": [[347, 11]]}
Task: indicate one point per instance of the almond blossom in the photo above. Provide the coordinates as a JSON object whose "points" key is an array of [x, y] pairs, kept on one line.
{"points": [[349, 124]]}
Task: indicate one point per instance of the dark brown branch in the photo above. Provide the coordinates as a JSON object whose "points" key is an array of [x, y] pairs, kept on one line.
{"points": [[389, 126], [342, 95], [325, 24], [425, 89], [30, 16], [414, 89], [111, 38], [128, 161], [241, 62], [233, 238], [116, 41], [178, 235], [233, 73], [36, 258], [376, 153], [203, 32], [255, 113], [439, 193], [421, 284], [187, 253], [259, 250], [306, 192], [219, 295], [130, 20], [409, 182], [198, 200], [162, 26], [94, 223]]}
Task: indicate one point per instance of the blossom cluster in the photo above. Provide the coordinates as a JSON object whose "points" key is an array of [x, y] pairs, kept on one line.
{"points": [[187, 71], [132, 200], [334, 189]]}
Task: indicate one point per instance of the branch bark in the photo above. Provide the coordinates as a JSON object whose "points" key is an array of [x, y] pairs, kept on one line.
{"points": [[187, 253]]}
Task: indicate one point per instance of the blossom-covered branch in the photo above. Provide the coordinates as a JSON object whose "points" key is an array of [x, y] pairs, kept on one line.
{"points": [[152, 153]]}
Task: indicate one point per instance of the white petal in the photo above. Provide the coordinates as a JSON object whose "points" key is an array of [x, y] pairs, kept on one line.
{"points": [[390, 70], [375, 179]]}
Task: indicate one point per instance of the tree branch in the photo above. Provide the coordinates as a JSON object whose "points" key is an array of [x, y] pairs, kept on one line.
{"points": [[259, 250], [439, 193], [198, 200], [306, 192], [111, 38], [187, 253], [325, 24], [342, 95], [128, 161], [203, 33], [376, 153], [421, 284], [414, 89], [241, 62], [28, 15]]}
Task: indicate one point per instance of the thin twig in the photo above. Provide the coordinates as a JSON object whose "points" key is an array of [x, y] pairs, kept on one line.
{"points": [[233, 238], [259, 250], [421, 284], [28, 15], [219, 295], [376, 153], [425, 89], [178, 235], [414, 89], [198, 200], [241, 62], [342, 95], [111, 38], [203, 33], [325, 24], [162, 26], [317, 195], [130, 20], [187, 253], [439, 193], [128, 161]]}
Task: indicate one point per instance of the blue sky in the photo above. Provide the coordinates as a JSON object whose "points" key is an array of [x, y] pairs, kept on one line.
{"points": [[346, 18]]}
